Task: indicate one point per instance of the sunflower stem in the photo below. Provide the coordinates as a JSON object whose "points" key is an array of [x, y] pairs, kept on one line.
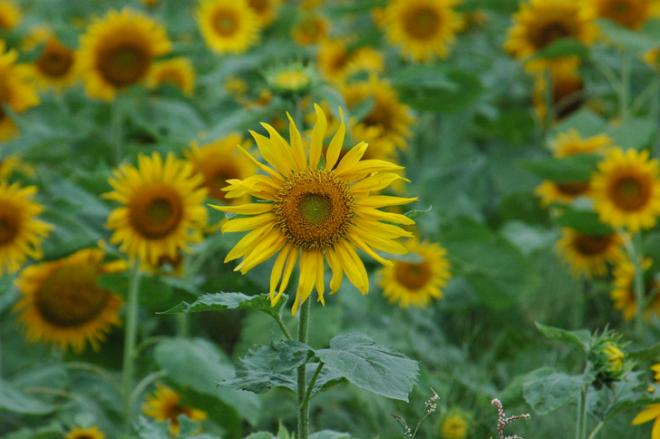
{"points": [[116, 129], [130, 339], [182, 325], [597, 429], [303, 409], [638, 285], [581, 432], [624, 89]]}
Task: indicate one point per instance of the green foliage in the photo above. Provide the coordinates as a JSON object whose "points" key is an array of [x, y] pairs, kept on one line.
{"points": [[548, 389]]}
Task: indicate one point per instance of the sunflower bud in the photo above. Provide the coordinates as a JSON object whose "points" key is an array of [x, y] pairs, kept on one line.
{"points": [[608, 360]]}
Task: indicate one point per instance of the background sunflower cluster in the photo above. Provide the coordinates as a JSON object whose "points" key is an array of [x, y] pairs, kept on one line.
{"points": [[214, 215]]}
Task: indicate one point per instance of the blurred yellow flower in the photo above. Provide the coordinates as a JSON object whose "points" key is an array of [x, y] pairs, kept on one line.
{"points": [[10, 15], [16, 91], [628, 13], [165, 405], [228, 26], [589, 255], [176, 71], [623, 293], [312, 29], [85, 433], [454, 426], [55, 66], [266, 10]]}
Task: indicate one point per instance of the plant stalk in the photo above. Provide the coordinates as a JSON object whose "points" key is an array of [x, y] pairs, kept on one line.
{"points": [[130, 339], [303, 409], [638, 285], [596, 430], [581, 432]]}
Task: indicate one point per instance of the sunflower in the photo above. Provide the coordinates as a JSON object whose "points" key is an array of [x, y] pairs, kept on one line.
{"points": [[219, 162], [117, 51], [314, 212], [424, 29], [589, 255], [21, 232], [266, 10], [292, 77], [162, 208], [228, 26], [165, 405], [454, 425], [651, 412], [312, 29], [623, 293], [85, 433], [626, 189], [55, 66], [10, 15], [16, 91], [62, 304], [11, 164], [388, 115], [539, 23], [568, 91], [628, 13], [652, 58], [415, 282], [176, 71], [332, 60]]}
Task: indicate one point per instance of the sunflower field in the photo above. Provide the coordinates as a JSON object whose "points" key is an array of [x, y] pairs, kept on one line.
{"points": [[339, 219]]}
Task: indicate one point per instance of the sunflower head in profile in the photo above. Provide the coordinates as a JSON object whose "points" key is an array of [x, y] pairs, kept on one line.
{"points": [[178, 72], [162, 208], [623, 292], [21, 232], [589, 255], [16, 91], [55, 66], [423, 29], [266, 10], [313, 208], [10, 15], [118, 50], [539, 23], [291, 78], [62, 303], [419, 278], [311, 29], [568, 94], [228, 26], [165, 405], [627, 13], [219, 162], [85, 433], [626, 190]]}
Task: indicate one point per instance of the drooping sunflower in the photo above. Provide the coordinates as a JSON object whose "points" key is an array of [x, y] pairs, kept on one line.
{"points": [[416, 282], [266, 10], [568, 93], [228, 26], [55, 67], [219, 162], [162, 208], [628, 13], [62, 303], [312, 29], [589, 255], [539, 23], [623, 293], [85, 433], [21, 232], [423, 29], [176, 71], [312, 211], [10, 15], [626, 190], [165, 405], [16, 91], [118, 51]]}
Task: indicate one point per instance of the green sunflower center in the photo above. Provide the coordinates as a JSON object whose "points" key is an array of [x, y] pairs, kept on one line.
{"points": [[413, 276], [422, 22], [55, 61], [225, 23], [592, 245], [124, 64], [630, 192], [315, 208], [70, 297], [9, 226], [157, 215]]}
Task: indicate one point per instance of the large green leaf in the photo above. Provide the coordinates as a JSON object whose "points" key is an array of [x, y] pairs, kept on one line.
{"points": [[633, 133], [563, 47], [637, 42], [328, 434], [15, 401], [584, 221], [581, 338], [228, 301], [362, 362], [547, 389], [570, 169]]}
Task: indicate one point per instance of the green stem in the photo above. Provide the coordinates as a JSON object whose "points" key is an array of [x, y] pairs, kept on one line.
{"points": [[310, 386], [283, 327], [548, 96], [303, 409], [581, 432], [624, 89], [597, 429], [130, 339], [638, 285], [116, 129], [182, 325]]}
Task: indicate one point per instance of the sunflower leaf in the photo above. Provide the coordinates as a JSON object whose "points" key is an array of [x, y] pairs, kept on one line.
{"points": [[581, 338], [15, 401], [228, 301]]}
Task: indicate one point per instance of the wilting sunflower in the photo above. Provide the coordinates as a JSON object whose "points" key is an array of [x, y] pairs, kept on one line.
{"points": [[312, 29], [55, 66], [568, 92], [16, 91], [118, 50], [162, 208], [266, 10], [623, 293], [539, 23], [455, 425], [85, 433], [626, 190], [176, 71], [10, 15], [423, 29], [21, 232], [228, 26], [589, 255], [628, 13], [415, 282], [313, 211], [62, 303], [165, 405], [219, 162], [388, 115]]}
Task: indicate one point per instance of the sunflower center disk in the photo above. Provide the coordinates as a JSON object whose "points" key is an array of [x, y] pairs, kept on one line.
{"points": [[55, 62], [217, 179], [630, 193], [413, 275], [551, 32], [9, 227], [225, 23], [422, 23], [573, 189], [158, 215], [124, 65], [70, 296], [260, 6], [314, 210], [592, 245]]}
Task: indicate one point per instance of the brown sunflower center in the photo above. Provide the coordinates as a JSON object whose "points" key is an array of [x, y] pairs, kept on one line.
{"points": [[225, 22], [630, 192], [573, 189], [552, 31], [260, 6], [216, 179], [625, 12], [55, 61], [380, 116], [172, 77], [9, 225], [158, 215], [70, 296], [422, 22], [314, 210], [412, 275], [124, 64], [567, 96], [592, 245]]}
